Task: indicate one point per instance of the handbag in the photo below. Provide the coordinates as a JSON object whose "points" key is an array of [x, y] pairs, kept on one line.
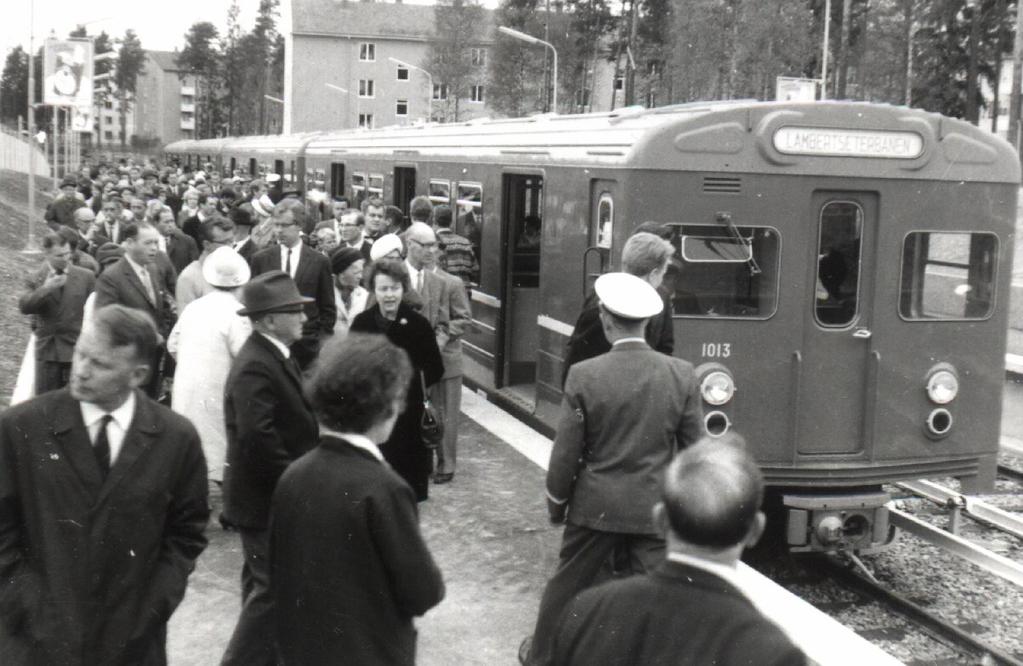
{"points": [[431, 425]]}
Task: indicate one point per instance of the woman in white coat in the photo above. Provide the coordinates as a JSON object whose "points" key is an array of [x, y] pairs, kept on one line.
{"points": [[349, 295], [204, 342]]}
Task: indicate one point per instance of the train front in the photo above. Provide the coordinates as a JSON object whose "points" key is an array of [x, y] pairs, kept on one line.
{"points": [[843, 288]]}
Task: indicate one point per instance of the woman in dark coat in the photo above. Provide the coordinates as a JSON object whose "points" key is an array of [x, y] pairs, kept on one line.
{"points": [[404, 450]]}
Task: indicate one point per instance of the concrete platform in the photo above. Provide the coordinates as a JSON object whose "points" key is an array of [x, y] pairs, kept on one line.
{"points": [[489, 533]]}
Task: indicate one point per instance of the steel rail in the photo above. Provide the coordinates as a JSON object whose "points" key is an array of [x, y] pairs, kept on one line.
{"points": [[1011, 473], [986, 513], [983, 558], [933, 625]]}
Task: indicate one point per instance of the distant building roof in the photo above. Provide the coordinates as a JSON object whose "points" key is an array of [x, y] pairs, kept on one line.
{"points": [[165, 60], [352, 18]]}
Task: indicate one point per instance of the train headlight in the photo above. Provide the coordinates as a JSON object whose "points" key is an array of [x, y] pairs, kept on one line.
{"points": [[942, 386], [717, 388]]}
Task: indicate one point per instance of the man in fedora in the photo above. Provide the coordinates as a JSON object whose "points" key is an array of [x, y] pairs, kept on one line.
{"points": [[614, 442], [269, 424]]}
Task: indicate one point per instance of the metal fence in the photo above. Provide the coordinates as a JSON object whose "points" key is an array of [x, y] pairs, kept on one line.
{"points": [[14, 152]]}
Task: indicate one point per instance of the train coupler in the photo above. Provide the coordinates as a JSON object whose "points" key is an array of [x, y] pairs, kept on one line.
{"points": [[850, 522]]}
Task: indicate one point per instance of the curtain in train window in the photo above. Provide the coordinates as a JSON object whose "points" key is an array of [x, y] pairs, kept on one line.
{"points": [[948, 275], [838, 263], [469, 220], [724, 271]]}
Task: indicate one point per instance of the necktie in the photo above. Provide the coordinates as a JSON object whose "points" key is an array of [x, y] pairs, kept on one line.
{"points": [[419, 282], [101, 447], [287, 263], [148, 284]]}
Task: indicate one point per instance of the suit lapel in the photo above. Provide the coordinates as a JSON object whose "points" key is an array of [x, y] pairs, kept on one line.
{"points": [[73, 439], [145, 427], [288, 364], [137, 283]]}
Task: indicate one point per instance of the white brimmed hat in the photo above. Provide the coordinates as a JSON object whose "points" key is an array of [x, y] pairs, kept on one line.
{"points": [[385, 245], [273, 177], [225, 268], [628, 296]]}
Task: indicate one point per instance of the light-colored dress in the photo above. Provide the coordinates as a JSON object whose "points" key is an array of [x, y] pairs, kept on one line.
{"points": [[204, 342], [345, 315]]}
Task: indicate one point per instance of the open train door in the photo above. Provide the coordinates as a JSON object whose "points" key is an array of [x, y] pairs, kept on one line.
{"points": [[837, 363]]}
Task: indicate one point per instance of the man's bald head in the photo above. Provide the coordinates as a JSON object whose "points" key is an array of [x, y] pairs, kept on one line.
{"points": [[421, 244], [712, 492]]}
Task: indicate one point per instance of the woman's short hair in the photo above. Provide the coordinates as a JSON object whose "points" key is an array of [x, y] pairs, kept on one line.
{"points": [[128, 327], [645, 252], [357, 381], [393, 268]]}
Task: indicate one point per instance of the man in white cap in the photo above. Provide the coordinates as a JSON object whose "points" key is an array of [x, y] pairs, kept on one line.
{"points": [[614, 441], [204, 342]]}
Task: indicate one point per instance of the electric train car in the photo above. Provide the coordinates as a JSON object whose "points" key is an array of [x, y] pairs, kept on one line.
{"points": [[841, 283]]}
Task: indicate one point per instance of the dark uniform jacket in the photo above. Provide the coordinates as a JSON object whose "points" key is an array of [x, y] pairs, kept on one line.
{"points": [[623, 417], [348, 576], [91, 569], [58, 311], [679, 615], [269, 424], [588, 340]]}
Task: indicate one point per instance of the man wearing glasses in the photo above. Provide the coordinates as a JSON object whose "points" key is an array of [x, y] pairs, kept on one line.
{"points": [[311, 272], [350, 227], [215, 232]]}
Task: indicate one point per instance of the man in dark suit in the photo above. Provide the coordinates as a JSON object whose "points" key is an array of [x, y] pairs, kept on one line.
{"points": [[103, 503], [62, 209], [647, 256], [181, 249], [311, 272], [139, 280], [613, 443], [56, 295], [111, 221], [691, 609], [193, 225], [269, 423], [350, 575], [241, 216]]}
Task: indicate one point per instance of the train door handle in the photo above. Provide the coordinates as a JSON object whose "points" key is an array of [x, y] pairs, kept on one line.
{"points": [[863, 333]]}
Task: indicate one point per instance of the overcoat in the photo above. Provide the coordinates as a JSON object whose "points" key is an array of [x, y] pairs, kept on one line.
{"points": [[679, 615], [404, 449], [181, 249], [91, 569], [58, 311], [348, 577], [120, 284], [269, 424], [208, 336]]}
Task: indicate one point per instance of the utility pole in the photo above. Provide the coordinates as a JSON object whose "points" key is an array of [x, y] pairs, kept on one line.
{"points": [[30, 243], [1017, 64]]}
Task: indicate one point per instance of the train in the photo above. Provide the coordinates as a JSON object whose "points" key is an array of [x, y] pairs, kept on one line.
{"points": [[841, 285]]}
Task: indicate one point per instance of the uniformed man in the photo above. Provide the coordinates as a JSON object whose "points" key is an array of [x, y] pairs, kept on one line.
{"points": [[613, 444]]}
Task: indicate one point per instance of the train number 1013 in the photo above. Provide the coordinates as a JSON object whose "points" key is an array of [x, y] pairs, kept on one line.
{"points": [[716, 350]]}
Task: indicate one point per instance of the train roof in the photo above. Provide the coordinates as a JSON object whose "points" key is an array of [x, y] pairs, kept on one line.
{"points": [[728, 136]]}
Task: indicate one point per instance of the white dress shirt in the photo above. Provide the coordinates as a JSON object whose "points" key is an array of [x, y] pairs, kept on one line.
{"points": [[295, 252], [283, 348], [415, 276], [92, 415]]}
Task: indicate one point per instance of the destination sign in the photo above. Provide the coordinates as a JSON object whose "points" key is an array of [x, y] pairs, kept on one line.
{"points": [[848, 143]]}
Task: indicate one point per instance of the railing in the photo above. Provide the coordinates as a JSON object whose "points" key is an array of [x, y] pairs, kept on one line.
{"points": [[14, 153]]}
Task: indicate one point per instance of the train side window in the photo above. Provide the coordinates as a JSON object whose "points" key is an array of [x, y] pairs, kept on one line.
{"points": [[948, 276], [604, 222], [358, 189], [720, 271], [252, 168], [469, 222], [440, 192], [376, 186], [527, 232], [836, 301]]}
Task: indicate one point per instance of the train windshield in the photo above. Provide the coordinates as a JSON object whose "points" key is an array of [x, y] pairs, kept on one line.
{"points": [[720, 271], [948, 276]]}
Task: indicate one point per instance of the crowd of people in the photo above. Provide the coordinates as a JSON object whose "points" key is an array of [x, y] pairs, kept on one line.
{"points": [[298, 349]]}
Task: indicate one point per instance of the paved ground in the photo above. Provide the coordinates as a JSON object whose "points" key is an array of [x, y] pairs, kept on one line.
{"points": [[489, 533]]}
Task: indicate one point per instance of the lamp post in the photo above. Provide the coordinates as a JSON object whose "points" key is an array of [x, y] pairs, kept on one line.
{"points": [[429, 94], [30, 242], [349, 93], [824, 54], [529, 39]]}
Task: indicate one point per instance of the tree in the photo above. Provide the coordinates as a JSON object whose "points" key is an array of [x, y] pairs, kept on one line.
{"points": [[234, 66], [131, 62], [515, 72], [201, 59], [457, 25], [14, 86]]}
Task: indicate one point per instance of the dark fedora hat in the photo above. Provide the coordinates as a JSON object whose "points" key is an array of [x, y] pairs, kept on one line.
{"points": [[272, 292]]}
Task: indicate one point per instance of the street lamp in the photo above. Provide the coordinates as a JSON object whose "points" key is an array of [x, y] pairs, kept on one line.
{"points": [[347, 92], [429, 95], [529, 39]]}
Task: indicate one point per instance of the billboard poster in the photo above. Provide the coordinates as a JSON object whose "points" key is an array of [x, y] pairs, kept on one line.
{"points": [[67, 74], [789, 89]]}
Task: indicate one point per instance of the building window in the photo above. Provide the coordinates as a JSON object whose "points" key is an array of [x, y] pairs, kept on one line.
{"points": [[402, 73], [440, 91], [479, 57], [401, 107], [109, 120], [108, 135], [367, 52], [366, 120], [108, 104], [365, 87], [619, 83], [477, 94]]}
